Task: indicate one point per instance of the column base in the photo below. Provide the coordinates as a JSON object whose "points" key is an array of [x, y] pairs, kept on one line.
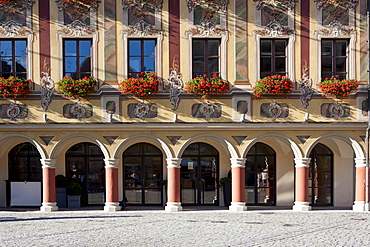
{"points": [[173, 207], [360, 206], [49, 207], [112, 207], [237, 207], [302, 206]]}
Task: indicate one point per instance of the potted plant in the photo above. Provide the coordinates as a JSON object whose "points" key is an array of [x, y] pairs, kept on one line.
{"points": [[225, 185], [273, 85], [61, 183], [206, 87], [76, 89], [74, 191], [15, 88], [335, 87], [144, 85]]}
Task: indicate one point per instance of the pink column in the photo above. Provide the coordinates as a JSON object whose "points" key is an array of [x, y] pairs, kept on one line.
{"points": [[48, 186], [360, 190], [111, 184], [173, 185], [302, 166], [238, 184]]}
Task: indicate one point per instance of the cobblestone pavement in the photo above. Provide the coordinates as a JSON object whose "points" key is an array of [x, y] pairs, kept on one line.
{"points": [[186, 228]]}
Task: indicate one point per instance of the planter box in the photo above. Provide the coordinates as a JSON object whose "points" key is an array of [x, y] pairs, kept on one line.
{"points": [[61, 197], [74, 201]]}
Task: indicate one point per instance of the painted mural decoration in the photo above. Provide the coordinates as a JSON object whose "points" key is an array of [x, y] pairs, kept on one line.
{"points": [[305, 86], [47, 87], [77, 9], [208, 4], [15, 10], [175, 84]]}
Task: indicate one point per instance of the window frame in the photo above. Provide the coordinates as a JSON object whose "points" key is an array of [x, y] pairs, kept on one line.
{"points": [[78, 56], [142, 55], [13, 58], [273, 58], [206, 57], [334, 58]]}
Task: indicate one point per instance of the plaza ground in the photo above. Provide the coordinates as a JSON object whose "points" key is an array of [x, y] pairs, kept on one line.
{"points": [[195, 226]]}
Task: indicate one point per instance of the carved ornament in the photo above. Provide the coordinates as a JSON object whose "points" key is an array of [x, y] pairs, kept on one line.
{"points": [[336, 110], [207, 29], [289, 4], [13, 111], [12, 29], [305, 86], [207, 109], [347, 4], [77, 28], [274, 110], [274, 29], [142, 29], [77, 110], [208, 4], [141, 110], [175, 84], [47, 87], [154, 4], [335, 28]]}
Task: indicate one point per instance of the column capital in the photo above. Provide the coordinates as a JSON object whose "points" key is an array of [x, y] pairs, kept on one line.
{"points": [[173, 162], [360, 162], [238, 162], [111, 163], [48, 163], [302, 162]]}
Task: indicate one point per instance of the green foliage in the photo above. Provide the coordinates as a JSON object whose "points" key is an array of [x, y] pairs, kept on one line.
{"points": [[74, 188]]}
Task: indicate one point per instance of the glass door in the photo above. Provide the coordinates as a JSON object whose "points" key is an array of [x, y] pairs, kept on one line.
{"points": [[143, 174], [199, 175]]}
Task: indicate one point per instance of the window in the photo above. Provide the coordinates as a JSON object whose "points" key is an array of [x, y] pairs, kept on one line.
{"points": [[77, 58], [13, 57], [142, 56], [206, 57], [334, 58], [273, 57], [24, 163]]}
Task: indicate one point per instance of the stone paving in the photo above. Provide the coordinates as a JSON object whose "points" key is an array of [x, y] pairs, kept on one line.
{"points": [[186, 228]]}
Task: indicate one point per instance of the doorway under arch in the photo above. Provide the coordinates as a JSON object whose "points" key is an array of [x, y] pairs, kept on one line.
{"points": [[199, 175], [85, 165], [25, 176], [260, 175], [321, 176], [143, 174]]}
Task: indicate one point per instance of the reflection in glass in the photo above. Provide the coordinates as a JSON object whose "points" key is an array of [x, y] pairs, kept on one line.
{"points": [[24, 163]]}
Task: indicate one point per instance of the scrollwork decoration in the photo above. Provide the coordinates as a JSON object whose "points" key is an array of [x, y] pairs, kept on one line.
{"points": [[305, 86], [47, 87], [207, 109], [141, 110], [336, 110], [77, 110], [175, 84], [13, 111], [289, 4], [274, 110]]}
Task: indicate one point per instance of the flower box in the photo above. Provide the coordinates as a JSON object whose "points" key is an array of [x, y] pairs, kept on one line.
{"points": [[142, 87], [273, 85], [76, 89], [206, 87], [334, 87], [14, 87]]}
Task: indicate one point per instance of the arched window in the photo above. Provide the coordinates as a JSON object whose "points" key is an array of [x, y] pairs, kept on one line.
{"points": [[321, 176], [24, 163], [260, 175]]}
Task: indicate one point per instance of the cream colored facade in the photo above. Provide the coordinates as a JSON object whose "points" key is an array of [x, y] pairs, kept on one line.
{"points": [[292, 134]]}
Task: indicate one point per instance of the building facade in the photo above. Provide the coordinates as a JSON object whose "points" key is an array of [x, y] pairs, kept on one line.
{"points": [[173, 148]]}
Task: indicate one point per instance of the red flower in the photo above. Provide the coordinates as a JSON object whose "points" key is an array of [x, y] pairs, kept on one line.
{"points": [[273, 85]]}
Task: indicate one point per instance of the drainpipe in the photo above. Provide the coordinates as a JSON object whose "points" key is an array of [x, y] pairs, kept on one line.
{"points": [[368, 109]]}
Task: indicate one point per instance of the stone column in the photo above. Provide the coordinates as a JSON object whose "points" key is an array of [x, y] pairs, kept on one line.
{"points": [[111, 183], [49, 202], [360, 190], [173, 185], [302, 166], [238, 184]]}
